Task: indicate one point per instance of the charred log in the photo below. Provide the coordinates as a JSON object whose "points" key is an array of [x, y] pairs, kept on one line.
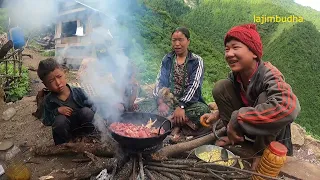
{"points": [[97, 149], [125, 171], [94, 167]]}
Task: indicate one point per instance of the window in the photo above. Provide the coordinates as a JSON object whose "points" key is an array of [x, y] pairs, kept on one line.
{"points": [[69, 29]]}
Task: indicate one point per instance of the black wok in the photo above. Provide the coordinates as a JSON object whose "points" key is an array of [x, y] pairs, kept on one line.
{"points": [[140, 144]]}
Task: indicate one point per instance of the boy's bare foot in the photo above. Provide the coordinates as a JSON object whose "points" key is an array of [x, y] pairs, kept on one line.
{"points": [[223, 141], [255, 163]]}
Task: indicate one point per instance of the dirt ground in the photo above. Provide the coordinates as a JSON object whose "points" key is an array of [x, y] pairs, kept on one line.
{"points": [[26, 131]]}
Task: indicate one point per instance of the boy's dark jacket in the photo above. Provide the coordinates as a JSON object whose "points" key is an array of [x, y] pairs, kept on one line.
{"points": [[51, 105], [282, 106]]}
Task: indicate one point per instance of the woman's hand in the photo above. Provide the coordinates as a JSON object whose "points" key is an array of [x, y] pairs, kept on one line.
{"points": [[209, 118], [163, 109], [179, 116], [65, 110]]}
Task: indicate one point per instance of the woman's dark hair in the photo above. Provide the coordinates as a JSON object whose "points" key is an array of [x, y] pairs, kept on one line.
{"points": [[183, 30], [46, 66]]}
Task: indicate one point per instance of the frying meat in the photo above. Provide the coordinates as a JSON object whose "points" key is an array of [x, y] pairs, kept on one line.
{"points": [[135, 131]]}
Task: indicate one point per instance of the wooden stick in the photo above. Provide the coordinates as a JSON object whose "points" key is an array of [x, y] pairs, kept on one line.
{"points": [[187, 177], [184, 167], [236, 176], [240, 170], [162, 169], [180, 161], [81, 160], [114, 171], [141, 167], [149, 175], [166, 165], [134, 168], [170, 175], [159, 176], [216, 175], [125, 171], [172, 150]]}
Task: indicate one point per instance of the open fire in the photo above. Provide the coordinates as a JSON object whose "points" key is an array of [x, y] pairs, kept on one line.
{"points": [[171, 162]]}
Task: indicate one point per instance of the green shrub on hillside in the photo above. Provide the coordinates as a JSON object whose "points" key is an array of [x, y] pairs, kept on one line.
{"points": [[295, 52], [18, 88], [307, 13]]}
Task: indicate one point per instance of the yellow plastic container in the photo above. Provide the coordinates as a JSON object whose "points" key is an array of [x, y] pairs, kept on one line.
{"points": [[18, 171], [272, 160]]}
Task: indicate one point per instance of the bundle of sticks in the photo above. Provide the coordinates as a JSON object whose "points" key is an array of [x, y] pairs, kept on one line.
{"points": [[175, 169]]}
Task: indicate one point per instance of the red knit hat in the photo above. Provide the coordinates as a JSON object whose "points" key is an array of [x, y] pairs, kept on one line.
{"points": [[248, 35]]}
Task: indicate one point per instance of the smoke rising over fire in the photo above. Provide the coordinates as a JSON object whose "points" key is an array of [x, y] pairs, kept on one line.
{"points": [[107, 71]]}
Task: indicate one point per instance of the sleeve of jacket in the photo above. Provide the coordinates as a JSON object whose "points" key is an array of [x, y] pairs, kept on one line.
{"points": [[281, 108], [49, 113], [194, 83], [162, 77]]}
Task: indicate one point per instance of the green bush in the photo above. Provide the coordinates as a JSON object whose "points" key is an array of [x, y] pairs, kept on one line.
{"points": [[18, 88], [48, 53]]}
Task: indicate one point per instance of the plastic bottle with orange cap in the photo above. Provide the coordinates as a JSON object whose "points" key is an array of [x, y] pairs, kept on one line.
{"points": [[272, 160]]}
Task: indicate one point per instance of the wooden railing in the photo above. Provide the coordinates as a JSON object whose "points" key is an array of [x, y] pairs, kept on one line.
{"points": [[14, 57]]}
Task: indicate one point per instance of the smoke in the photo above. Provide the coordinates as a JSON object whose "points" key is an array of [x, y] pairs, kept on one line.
{"points": [[31, 14], [107, 72]]}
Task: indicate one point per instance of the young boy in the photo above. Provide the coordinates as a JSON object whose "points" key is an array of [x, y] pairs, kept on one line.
{"points": [[66, 109], [255, 101]]}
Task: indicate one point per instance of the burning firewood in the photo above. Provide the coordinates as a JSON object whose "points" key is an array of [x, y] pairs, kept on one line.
{"points": [[150, 175], [125, 171], [141, 167]]}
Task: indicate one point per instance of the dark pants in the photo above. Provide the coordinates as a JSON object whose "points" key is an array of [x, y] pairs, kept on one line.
{"points": [[228, 101], [78, 124]]}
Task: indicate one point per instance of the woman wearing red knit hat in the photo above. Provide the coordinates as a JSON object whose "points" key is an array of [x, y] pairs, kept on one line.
{"points": [[254, 102]]}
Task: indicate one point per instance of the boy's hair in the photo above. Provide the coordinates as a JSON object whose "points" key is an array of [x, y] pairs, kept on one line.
{"points": [[46, 67]]}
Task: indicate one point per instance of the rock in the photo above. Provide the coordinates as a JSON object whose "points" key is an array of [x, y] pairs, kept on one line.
{"points": [[28, 99], [8, 114], [313, 146], [297, 134], [300, 169], [9, 103], [10, 153]]}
